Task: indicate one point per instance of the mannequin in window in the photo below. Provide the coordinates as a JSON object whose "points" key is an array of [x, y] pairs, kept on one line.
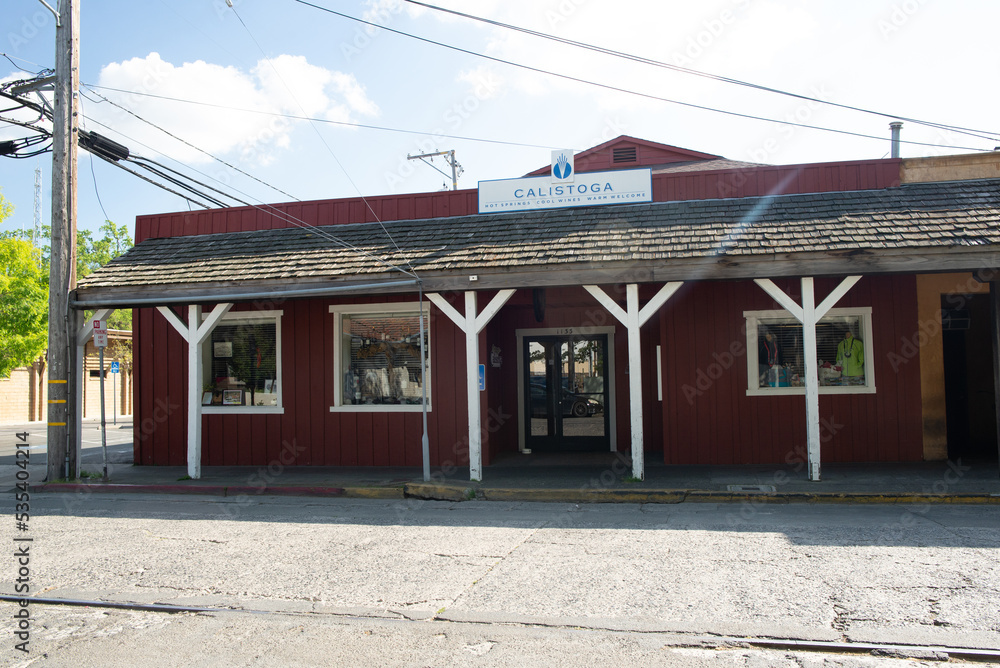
{"points": [[768, 355], [851, 356]]}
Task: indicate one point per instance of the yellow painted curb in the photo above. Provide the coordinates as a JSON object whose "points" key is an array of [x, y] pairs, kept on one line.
{"points": [[374, 492]]}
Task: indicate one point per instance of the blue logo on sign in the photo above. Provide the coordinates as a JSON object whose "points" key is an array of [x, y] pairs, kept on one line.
{"points": [[562, 169], [114, 367]]}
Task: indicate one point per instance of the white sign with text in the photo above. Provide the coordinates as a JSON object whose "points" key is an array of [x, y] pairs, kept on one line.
{"points": [[630, 186], [100, 333]]}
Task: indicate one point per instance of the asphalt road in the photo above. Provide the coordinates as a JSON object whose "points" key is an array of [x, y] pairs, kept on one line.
{"points": [[118, 438], [343, 582]]}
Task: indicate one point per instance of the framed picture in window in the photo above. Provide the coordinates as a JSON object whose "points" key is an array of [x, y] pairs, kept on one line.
{"points": [[222, 349], [232, 397]]}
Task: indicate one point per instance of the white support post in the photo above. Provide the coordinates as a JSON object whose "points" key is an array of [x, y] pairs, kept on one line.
{"points": [[809, 314], [634, 318], [84, 335], [472, 324], [812, 377], [195, 381], [472, 388], [195, 332], [635, 380]]}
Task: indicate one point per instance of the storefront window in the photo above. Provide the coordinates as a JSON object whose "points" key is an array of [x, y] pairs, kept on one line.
{"points": [[776, 360], [378, 357], [241, 363]]}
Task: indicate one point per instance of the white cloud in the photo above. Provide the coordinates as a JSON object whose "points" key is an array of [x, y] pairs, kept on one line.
{"points": [[285, 84]]}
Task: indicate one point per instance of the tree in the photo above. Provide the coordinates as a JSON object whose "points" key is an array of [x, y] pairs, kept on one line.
{"points": [[91, 255], [24, 305], [24, 271]]}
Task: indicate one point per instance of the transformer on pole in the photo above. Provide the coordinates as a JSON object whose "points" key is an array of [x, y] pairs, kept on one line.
{"points": [[449, 158]]}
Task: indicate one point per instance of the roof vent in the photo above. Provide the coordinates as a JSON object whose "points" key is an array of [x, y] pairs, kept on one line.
{"points": [[627, 154]]}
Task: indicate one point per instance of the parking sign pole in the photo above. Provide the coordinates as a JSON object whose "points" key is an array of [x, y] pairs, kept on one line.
{"points": [[101, 342], [104, 435]]}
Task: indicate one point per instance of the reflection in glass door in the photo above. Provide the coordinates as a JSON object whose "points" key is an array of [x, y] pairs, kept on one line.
{"points": [[566, 393]]}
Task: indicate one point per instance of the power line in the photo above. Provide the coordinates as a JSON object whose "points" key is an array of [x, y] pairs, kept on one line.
{"points": [[189, 144], [265, 208], [8, 57], [979, 134], [296, 117], [323, 140], [189, 178], [93, 174], [619, 89], [115, 155]]}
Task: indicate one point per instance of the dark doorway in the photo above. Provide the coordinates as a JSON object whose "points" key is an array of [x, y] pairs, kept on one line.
{"points": [[566, 393], [968, 377]]}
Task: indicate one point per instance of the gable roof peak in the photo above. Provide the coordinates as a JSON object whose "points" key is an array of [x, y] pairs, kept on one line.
{"points": [[626, 152]]}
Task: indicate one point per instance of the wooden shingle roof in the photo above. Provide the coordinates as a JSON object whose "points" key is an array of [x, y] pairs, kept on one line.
{"points": [[919, 227]]}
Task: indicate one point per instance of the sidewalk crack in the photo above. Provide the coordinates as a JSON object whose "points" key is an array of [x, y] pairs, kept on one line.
{"points": [[492, 566]]}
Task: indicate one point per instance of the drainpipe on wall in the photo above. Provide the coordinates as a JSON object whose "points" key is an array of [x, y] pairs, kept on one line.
{"points": [[895, 126]]}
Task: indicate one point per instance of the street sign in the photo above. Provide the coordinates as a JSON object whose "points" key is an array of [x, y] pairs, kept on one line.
{"points": [[482, 377], [114, 367], [101, 333]]}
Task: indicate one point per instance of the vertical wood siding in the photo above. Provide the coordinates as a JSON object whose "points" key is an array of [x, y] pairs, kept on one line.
{"points": [[717, 423], [722, 426], [715, 184], [701, 326], [319, 436]]}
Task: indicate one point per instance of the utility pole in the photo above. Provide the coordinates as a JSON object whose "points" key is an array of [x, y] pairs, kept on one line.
{"points": [[62, 418], [38, 205], [449, 157]]}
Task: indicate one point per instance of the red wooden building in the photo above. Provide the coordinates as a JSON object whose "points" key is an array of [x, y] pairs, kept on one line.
{"points": [[748, 314]]}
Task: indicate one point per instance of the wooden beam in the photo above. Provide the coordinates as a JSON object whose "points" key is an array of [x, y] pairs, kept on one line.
{"points": [[726, 267], [447, 309], [608, 303], [472, 388], [835, 296], [633, 318], [491, 309], [174, 321], [472, 324], [195, 332], [812, 377], [778, 295], [809, 314], [205, 328], [635, 381], [194, 392], [658, 300]]}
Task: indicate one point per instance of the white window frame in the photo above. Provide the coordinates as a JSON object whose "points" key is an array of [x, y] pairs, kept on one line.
{"points": [[339, 311], [753, 319], [206, 353]]}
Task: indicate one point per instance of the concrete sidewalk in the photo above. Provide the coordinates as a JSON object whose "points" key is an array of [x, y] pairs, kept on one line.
{"points": [[576, 478]]}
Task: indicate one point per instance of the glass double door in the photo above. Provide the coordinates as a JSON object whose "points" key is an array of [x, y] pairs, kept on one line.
{"points": [[566, 393]]}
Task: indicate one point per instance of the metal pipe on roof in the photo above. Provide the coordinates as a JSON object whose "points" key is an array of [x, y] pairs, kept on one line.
{"points": [[895, 126], [214, 299]]}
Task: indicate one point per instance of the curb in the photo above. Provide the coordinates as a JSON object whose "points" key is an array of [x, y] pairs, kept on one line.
{"points": [[459, 493], [223, 490]]}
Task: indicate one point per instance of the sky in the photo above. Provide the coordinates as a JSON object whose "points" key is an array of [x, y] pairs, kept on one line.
{"points": [[235, 84]]}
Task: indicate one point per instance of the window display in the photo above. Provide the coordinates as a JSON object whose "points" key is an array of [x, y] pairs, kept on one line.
{"points": [[777, 363], [241, 364], [378, 356]]}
